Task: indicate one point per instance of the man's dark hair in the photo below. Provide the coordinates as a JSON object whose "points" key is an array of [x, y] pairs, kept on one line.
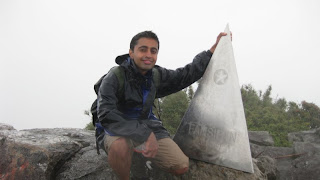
{"points": [[144, 34]]}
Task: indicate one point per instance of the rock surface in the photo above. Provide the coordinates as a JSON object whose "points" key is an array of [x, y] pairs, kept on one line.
{"points": [[262, 138], [301, 161], [71, 154]]}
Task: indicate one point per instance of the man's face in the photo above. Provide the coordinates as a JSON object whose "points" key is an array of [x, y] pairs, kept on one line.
{"points": [[145, 54]]}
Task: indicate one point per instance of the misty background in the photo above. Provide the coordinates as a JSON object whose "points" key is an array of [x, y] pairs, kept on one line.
{"points": [[53, 52]]}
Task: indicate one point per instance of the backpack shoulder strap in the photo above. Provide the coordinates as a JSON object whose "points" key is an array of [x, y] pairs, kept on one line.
{"points": [[156, 77], [119, 72]]}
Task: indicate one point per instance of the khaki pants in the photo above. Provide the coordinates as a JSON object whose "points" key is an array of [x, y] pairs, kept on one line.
{"points": [[169, 156]]}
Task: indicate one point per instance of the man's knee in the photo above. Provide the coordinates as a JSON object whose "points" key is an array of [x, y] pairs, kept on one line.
{"points": [[120, 148], [178, 172], [183, 168]]}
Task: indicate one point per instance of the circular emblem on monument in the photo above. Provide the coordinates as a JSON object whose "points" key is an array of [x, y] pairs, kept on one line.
{"points": [[220, 76]]}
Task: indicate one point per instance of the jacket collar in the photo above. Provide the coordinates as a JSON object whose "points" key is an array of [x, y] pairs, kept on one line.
{"points": [[122, 58], [128, 63]]}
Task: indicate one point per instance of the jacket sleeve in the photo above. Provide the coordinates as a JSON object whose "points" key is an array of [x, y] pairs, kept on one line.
{"points": [[172, 81], [114, 120]]}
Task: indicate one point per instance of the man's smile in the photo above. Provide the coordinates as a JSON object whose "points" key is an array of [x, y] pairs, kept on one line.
{"points": [[147, 62]]}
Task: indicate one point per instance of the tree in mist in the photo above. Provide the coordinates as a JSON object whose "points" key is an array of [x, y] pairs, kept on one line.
{"points": [[278, 117], [173, 108], [89, 126], [190, 92]]}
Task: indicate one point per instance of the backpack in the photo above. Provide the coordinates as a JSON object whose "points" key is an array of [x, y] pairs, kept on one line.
{"points": [[119, 72]]}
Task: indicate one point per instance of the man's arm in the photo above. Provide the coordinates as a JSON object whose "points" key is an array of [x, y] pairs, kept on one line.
{"points": [[175, 80], [172, 81]]}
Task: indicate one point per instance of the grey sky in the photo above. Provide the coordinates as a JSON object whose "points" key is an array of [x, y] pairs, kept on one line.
{"points": [[52, 52]]}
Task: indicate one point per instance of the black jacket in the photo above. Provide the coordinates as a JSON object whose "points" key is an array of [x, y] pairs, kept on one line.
{"points": [[110, 105]]}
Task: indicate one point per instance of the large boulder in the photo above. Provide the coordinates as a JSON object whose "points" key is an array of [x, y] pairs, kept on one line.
{"points": [[305, 162], [6, 127], [41, 153], [301, 161], [267, 165], [271, 151], [273, 161], [306, 165], [262, 138], [71, 154], [311, 136]]}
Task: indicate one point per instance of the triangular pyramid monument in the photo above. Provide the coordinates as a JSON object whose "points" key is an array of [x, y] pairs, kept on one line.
{"points": [[214, 127]]}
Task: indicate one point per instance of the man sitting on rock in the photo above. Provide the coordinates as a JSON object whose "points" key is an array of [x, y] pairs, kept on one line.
{"points": [[127, 118]]}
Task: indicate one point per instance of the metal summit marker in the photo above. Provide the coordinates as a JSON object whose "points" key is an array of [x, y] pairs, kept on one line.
{"points": [[214, 127]]}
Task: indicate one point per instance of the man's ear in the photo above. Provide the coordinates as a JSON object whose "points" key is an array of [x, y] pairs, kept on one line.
{"points": [[130, 53]]}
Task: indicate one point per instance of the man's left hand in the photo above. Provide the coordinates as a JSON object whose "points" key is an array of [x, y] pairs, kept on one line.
{"points": [[151, 148]]}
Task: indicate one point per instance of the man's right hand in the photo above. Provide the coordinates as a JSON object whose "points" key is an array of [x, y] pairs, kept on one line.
{"points": [[213, 48], [151, 147]]}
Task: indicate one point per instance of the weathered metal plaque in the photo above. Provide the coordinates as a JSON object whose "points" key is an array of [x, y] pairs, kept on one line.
{"points": [[214, 127]]}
